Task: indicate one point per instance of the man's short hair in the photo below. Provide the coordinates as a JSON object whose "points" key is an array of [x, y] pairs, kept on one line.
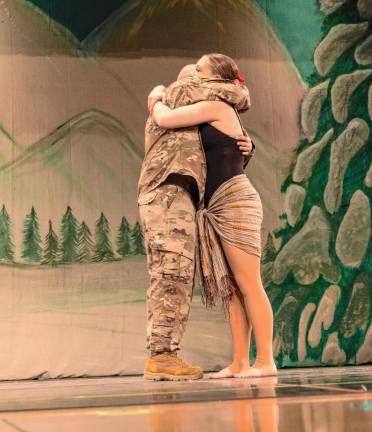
{"points": [[186, 71]]}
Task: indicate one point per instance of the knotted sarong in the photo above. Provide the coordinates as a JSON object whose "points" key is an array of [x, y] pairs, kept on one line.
{"points": [[234, 214]]}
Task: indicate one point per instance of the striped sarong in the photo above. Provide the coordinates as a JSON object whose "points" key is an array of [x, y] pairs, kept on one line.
{"points": [[234, 214]]}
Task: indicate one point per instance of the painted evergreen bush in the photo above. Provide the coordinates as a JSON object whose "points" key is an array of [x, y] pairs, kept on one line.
{"points": [[137, 240], [50, 247], [85, 243], [68, 248], [103, 247], [123, 239], [321, 277], [31, 243], [75, 244], [6, 236]]}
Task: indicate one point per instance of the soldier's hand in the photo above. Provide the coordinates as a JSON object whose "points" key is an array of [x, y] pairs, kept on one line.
{"points": [[244, 143], [156, 94]]}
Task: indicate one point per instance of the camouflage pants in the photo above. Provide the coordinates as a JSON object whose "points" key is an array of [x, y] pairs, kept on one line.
{"points": [[167, 216]]}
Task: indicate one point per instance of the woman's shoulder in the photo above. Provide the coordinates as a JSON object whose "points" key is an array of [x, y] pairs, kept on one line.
{"points": [[220, 109], [226, 109], [220, 104]]}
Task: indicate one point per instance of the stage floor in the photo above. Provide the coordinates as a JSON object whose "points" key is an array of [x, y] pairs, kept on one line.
{"points": [[319, 399]]}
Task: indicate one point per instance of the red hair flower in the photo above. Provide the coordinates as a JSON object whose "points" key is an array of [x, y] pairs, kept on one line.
{"points": [[240, 77]]}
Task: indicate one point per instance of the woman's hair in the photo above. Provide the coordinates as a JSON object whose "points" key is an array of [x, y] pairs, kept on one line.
{"points": [[223, 65]]}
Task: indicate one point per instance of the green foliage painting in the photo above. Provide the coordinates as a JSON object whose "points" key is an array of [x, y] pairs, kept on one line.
{"points": [[320, 279], [50, 247], [85, 242], [137, 240], [31, 248], [75, 243], [69, 237], [6, 242], [123, 240], [103, 249]]}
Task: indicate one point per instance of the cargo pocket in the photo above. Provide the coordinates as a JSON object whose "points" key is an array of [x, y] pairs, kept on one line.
{"points": [[170, 260], [175, 266], [170, 263]]}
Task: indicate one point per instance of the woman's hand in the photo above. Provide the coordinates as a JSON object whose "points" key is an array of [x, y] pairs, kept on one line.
{"points": [[244, 143], [156, 94]]}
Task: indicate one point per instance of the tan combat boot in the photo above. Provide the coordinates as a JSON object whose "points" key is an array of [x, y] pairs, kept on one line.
{"points": [[167, 366]]}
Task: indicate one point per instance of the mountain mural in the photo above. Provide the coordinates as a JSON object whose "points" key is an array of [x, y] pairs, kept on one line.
{"points": [[126, 66], [26, 29], [236, 27], [159, 33], [299, 27], [8, 147], [75, 16], [89, 163]]}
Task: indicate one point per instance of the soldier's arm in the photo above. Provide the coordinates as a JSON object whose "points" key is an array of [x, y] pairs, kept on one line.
{"points": [[189, 115], [192, 90]]}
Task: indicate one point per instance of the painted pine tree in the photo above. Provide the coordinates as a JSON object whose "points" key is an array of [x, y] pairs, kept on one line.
{"points": [[321, 287], [6, 236], [137, 240], [103, 247], [123, 243], [85, 243], [68, 247], [50, 255], [31, 243]]}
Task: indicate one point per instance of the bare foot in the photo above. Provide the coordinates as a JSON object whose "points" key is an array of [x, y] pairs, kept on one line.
{"points": [[258, 370], [228, 372], [224, 373]]}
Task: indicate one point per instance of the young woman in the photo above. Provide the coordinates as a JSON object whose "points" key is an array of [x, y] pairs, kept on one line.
{"points": [[229, 224]]}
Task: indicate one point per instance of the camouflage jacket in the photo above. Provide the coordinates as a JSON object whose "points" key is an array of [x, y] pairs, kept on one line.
{"points": [[180, 151]]}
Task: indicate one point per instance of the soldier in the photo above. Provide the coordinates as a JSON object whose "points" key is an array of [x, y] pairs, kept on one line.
{"points": [[170, 187]]}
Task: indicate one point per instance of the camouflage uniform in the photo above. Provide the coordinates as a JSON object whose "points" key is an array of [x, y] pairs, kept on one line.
{"points": [[167, 211]]}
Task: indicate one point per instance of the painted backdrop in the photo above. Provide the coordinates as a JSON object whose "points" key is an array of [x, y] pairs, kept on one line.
{"points": [[74, 80]]}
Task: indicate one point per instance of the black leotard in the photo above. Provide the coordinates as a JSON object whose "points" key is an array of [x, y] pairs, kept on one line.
{"points": [[223, 157]]}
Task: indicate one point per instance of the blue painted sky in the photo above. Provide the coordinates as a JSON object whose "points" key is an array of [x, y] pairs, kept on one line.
{"points": [[297, 22], [79, 16]]}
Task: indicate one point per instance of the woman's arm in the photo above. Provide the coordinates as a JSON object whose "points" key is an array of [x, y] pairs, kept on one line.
{"points": [[156, 94], [190, 115]]}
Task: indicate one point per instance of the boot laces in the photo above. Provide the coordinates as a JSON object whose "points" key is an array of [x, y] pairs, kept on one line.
{"points": [[182, 362]]}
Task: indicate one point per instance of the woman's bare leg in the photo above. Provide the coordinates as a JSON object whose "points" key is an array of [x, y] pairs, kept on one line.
{"points": [[246, 270], [241, 330]]}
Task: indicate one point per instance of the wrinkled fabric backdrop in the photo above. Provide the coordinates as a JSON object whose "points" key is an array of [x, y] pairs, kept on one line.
{"points": [[74, 77]]}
